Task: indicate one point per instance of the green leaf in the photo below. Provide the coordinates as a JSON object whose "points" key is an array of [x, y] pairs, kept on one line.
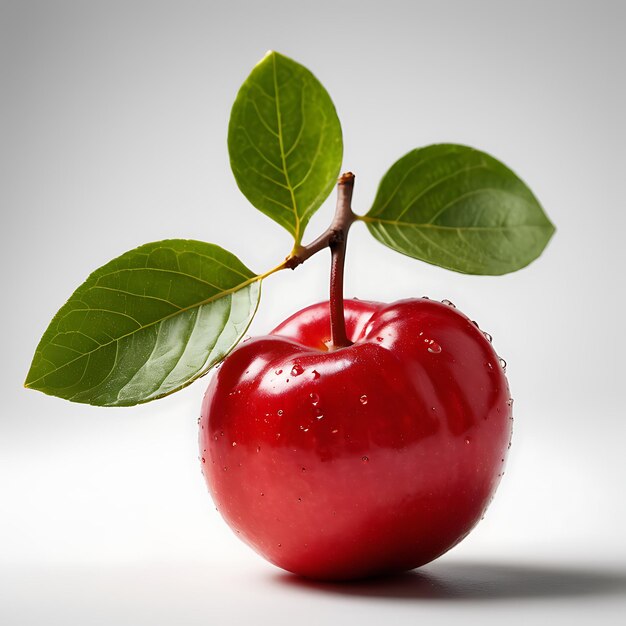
{"points": [[146, 324], [461, 209], [284, 140]]}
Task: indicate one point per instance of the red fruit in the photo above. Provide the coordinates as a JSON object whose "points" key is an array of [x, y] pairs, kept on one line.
{"points": [[370, 459]]}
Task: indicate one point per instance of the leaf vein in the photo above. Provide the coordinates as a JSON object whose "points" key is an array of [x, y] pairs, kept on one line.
{"points": [[261, 119], [136, 295], [282, 153], [150, 324], [258, 150], [434, 185], [404, 177]]}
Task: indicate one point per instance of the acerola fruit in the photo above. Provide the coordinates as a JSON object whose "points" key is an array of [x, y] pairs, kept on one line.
{"points": [[365, 460]]}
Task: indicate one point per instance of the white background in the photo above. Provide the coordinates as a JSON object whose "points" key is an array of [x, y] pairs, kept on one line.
{"points": [[113, 133]]}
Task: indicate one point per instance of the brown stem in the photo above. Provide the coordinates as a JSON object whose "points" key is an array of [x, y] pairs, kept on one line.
{"points": [[334, 237], [338, 335], [343, 219]]}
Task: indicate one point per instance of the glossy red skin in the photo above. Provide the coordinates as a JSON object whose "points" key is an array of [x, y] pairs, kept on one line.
{"points": [[354, 486]]}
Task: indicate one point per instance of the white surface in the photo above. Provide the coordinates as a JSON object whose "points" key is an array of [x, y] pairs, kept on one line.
{"points": [[113, 129], [235, 593]]}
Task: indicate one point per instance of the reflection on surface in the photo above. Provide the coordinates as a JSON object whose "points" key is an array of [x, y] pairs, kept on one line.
{"points": [[478, 581]]}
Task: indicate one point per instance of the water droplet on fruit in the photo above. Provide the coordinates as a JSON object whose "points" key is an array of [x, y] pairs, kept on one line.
{"points": [[365, 459], [467, 440], [475, 323], [320, 416], [314, 399], [451, 304], [425, 298], [489, 365], [487, 336], [296, 370], [225, 468], [434, 347], [262, 494], [279, 412], [278, 372], [215, 437], [316, 374], [510, 402], [280, 545], [304, 469], [234, 444], [363, 399], [203, 460], [198, 420], [258, 448], [502, 363], [379, 338], [299, 499]]}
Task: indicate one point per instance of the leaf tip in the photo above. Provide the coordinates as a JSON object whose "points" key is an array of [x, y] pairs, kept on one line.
{"points": [[28, 381], [552, 228], [267, 56]]}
